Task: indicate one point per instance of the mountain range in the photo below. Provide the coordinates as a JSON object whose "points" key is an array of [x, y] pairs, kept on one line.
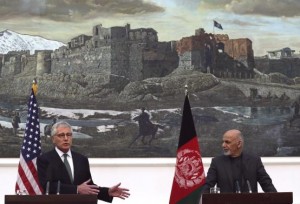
{"points": [[13, 41]]}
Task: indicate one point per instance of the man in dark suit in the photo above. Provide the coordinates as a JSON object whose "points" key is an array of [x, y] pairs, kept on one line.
{"points": [[71, 169], [236, 171]]}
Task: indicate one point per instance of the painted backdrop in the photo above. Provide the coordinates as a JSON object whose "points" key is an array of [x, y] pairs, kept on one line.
{"points": [[117, 70]]}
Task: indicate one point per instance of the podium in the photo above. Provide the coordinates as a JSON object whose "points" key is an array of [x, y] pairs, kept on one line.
{"points": [[51, 199], [248, 198]]}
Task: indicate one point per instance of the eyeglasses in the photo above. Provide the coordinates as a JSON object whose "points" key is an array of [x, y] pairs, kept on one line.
{"points": [[63, 135]]}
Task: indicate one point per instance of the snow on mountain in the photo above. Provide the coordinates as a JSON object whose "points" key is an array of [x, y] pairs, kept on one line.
{"points": [[12, 41]]}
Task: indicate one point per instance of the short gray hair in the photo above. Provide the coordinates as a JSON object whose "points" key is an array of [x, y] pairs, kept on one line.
{"points": [[59, 124]]}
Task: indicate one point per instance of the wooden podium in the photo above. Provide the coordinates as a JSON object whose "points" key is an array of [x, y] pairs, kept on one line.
{"points": [[248, 198], [51, 199]]}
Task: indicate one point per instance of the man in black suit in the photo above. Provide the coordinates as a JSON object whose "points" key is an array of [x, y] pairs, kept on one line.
{"points": [[71, 169], [236, 171]]}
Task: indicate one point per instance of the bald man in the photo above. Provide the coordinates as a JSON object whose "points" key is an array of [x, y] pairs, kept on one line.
{"points": [[236, 171]]}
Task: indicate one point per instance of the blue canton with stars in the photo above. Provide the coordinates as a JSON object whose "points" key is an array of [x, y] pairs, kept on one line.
{"points": [[31, 147]]}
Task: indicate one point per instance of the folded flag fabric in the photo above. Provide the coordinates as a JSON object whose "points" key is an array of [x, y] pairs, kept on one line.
{"points": [[27, 177], [189, 178]]}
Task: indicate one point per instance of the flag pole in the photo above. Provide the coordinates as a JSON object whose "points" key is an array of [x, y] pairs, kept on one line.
{"points": [[27, 176], [188, 183]]}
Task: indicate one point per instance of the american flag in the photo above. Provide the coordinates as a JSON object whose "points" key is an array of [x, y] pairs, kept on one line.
{"points": [[27, 178]]}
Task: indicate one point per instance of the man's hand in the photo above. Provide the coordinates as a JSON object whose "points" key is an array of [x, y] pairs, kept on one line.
{"points": [[115, 191], [85, 188]]}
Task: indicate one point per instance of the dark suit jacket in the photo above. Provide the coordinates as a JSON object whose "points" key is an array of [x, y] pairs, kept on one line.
{"points": [[220, 173], [51, 168]]}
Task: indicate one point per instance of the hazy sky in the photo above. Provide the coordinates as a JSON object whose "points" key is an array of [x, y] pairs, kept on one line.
{"points": [[269, 24]]}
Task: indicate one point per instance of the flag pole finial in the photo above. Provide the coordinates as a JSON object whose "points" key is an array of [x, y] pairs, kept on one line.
{"points": [[186, 89], [34, 86]]}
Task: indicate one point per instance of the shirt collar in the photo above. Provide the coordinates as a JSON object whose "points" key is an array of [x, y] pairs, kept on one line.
{"points": [[60, 153]]}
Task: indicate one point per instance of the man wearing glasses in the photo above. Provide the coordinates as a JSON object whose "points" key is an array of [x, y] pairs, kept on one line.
{"points": [[71, 170]]}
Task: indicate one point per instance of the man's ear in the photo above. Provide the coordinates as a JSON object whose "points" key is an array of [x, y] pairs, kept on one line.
{"points": [[239, 144]]}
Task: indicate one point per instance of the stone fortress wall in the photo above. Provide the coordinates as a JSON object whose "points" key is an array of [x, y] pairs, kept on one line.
{"points": [[136, 54], [130, 53]]}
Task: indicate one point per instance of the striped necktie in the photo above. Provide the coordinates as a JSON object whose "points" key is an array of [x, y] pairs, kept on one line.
{"points": [[68, 167]]}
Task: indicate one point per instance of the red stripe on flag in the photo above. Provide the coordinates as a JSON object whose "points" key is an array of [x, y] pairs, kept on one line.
{"points": [[34, 173], [188, 159], [17, 188], [25, 180]]}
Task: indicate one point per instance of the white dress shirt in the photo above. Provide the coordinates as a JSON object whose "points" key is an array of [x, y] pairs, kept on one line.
{"points": [[69, 157]]}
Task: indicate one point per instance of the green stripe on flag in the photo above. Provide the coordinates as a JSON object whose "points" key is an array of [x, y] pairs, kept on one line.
{"points": [[192, 198]]}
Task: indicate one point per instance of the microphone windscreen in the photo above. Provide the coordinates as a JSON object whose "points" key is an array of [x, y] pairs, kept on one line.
{"points": [[58, 188], [238, 188], [249, 186], [47, 188]]}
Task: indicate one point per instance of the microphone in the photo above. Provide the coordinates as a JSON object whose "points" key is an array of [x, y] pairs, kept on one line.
{"points": [[249, 186], [237, 185], [58, 188], [49, 180], [47, 188]]}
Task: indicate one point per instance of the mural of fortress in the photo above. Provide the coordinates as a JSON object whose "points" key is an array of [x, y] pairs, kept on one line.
{"points": [[136, 54]]}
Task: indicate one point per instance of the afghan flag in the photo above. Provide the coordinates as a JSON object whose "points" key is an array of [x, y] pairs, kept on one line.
{"points": [[189, 178], [218, 25]]}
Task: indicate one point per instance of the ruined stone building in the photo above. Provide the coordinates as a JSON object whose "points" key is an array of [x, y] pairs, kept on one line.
{"points": [[237, 57], [197, 52], [238, 49], [283, 61], [15, 62], [216, 54], [79, 41], [135, 54], [280, 54]]}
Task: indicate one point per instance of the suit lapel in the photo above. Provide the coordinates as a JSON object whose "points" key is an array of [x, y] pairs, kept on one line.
{"points": [[61, 166], [57, 159], [245, 163], [228, 171], [76, 165]]}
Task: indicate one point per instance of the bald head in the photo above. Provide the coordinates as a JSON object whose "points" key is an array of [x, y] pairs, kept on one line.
{"points": [[233, 143]]}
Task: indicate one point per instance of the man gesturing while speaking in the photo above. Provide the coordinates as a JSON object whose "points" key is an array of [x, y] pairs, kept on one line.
{"points": [[71, 169]]}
